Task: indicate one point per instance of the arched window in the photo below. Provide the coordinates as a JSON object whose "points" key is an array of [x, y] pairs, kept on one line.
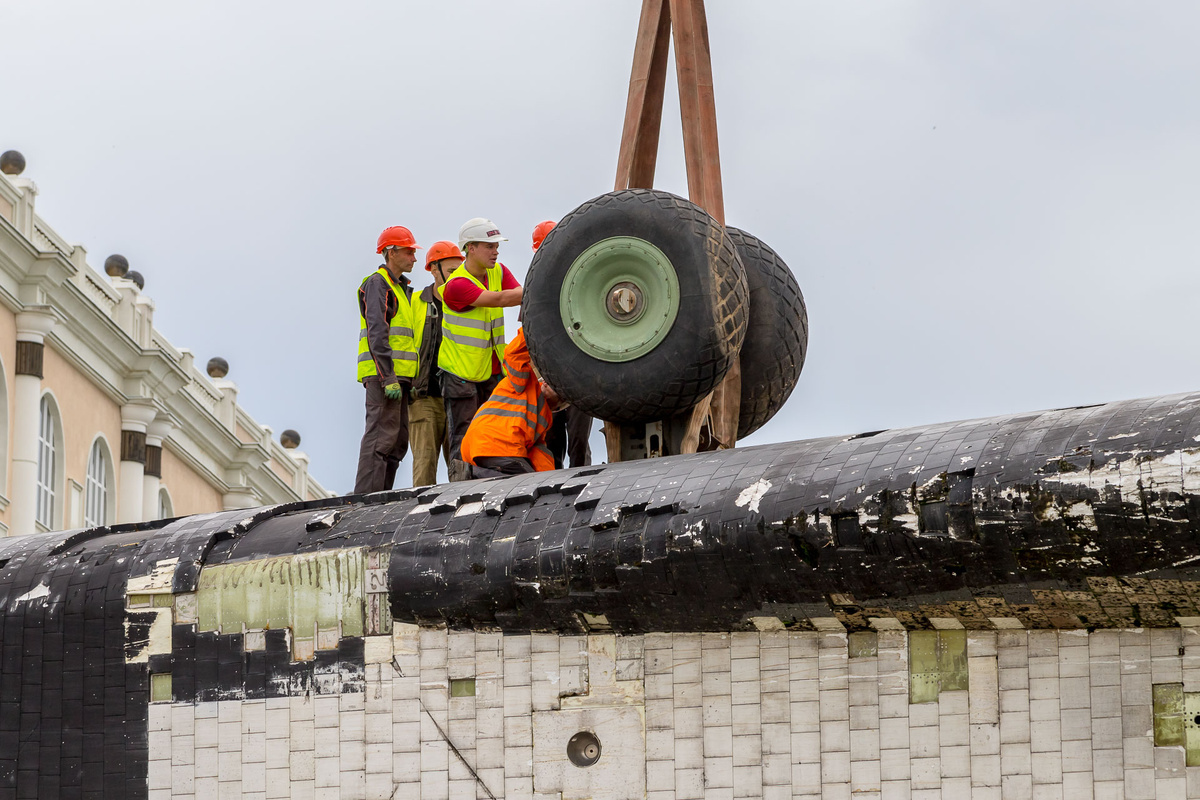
{"points": [[96, 502], [165, 511], [47, 463]]}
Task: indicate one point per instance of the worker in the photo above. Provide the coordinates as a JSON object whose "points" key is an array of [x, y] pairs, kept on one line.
{"points": [[473, 301], [572, 429], [387, 359], [508, 434], [427, 412]]}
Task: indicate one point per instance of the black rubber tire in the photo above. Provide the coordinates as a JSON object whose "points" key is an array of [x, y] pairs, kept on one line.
{"points": [[702, 343], [776, 336]]}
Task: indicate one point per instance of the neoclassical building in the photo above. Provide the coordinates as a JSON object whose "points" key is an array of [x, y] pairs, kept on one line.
{"points": [[102, 420]]}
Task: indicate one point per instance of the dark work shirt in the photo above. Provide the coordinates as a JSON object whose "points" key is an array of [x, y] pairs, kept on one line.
{"points": [[427, 383], [378, 305]]}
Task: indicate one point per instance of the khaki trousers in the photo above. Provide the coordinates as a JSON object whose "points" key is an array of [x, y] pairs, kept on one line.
{"points": [[427, 437]]}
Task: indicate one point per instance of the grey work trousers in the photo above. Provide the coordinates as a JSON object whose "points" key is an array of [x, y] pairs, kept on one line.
{"points": [[427, 435], [463, 399], [500, 466], [385, 439], [568, 438]]}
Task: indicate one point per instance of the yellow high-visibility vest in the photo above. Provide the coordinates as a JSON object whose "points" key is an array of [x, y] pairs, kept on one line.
{"points": [[400, 335], [470, 337]]}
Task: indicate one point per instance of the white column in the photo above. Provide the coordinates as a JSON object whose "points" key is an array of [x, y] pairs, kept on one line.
{"points": [[135, 417], [156, 432], [32, 327], [240, 497]]}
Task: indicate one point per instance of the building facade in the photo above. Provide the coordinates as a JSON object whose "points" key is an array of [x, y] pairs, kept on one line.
{"points": [[102, 420]]}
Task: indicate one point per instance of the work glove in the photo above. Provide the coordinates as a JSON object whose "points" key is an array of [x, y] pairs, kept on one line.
{"points": [[393, 391]]}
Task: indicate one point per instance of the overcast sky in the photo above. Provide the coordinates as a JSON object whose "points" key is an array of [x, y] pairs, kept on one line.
{"points": [[991, 207]]}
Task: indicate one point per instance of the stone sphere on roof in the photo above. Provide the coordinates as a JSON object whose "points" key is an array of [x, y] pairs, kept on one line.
{"points": [[217, 367], [289, 439], [116, 265], [137, 278], [12, 162]]}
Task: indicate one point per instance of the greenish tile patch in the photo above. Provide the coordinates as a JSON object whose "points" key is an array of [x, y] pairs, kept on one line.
{"points": [[303, 592], [164, 600], [208, 599], [922, 666], [952, 661], [462, 687], [1168, 715], [1191, 727], [139, 600], [863, 644], [937, 662], [160, 687]]}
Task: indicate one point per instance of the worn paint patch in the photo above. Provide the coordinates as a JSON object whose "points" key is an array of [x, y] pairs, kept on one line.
{"points": [[753, 494], [937, 662], [1168, 715], [862, 644], [320, 597], [1191, 719], [157, 581], [39, 591], [160, 687]]}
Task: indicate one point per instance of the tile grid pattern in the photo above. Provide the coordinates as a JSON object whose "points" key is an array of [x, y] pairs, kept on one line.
{"points": [[1049, 714]]}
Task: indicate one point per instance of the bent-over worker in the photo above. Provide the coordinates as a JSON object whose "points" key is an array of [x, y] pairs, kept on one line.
{"points": [[427, 412], [508, 434], [568, 437], [387, 360], [473, 300]]}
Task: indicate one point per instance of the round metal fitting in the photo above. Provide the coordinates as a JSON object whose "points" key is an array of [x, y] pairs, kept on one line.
{"points": [[217, 367], [290, 439], [619, 299], [12, 162], [116, 265], [136, 277], [583, 749], [625, 302]]}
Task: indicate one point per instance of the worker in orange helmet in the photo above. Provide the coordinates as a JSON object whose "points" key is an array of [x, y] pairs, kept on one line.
{"points": [[387, 359], [427, 412], [568, 437], [540, 231], [508, 434]]}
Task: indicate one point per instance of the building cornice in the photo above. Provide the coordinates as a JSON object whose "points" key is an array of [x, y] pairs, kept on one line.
{"points": [[131, 361]]}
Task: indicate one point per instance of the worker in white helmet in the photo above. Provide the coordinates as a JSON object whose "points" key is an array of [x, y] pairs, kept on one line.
{"points": [[474, 297]]}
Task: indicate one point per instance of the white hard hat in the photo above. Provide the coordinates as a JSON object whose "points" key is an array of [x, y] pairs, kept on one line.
{"points": [[479, 230]]}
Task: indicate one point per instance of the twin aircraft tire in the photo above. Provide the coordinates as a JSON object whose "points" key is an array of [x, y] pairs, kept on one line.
{"points": [[776, 336], [639, 301], [636, 305]]}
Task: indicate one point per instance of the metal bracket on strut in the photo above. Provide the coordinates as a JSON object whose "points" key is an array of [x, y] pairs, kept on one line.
{"points": [[668, 437]]}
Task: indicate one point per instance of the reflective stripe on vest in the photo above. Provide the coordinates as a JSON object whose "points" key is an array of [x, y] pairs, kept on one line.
{"points": [[515, 419], [470, 337], [400, 335], [419, 310]]}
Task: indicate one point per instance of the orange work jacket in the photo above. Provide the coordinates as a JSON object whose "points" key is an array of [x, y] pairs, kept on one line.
{"points": [[515, 419]]}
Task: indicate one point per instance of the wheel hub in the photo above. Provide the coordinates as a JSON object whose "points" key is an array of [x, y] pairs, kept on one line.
{"points": [[625, 302], [619, 299]]}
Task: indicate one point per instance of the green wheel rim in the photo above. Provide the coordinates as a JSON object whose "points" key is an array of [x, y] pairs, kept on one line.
{"points": [[619, 299]]}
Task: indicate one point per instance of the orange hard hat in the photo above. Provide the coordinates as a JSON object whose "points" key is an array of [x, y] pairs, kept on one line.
{"points": [[440, 250], [397, 236], [539, 233]]}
